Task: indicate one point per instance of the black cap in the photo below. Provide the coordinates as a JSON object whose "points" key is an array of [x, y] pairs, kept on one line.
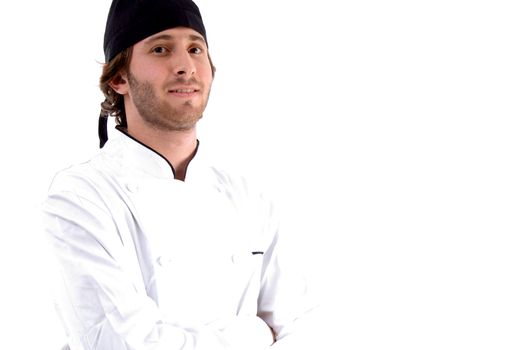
{"points": [[130, 21]]}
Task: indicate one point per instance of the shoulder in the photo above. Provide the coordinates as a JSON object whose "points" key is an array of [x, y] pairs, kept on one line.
{"points": [[92, 172], [83, 184], [76, 175]]}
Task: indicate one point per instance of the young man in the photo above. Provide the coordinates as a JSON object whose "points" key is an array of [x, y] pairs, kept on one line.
{"points": [[158, 248]]}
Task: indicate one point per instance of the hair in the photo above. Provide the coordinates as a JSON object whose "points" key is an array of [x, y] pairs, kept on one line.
{"points": [[113, 104]]}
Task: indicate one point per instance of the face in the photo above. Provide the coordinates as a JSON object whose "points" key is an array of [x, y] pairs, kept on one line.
{"points": [[168, 82]]}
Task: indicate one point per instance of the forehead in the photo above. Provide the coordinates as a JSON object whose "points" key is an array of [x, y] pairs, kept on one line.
{"points": [[175, 34]]}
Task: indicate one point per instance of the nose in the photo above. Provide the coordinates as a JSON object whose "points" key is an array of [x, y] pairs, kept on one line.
{"points": [[183, 65]]}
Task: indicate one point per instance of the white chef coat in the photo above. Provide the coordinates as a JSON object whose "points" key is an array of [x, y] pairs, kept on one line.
{"points": [[151, 262]]}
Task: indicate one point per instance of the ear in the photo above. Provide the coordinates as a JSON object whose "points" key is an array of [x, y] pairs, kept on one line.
{"points": [[119, 83]]}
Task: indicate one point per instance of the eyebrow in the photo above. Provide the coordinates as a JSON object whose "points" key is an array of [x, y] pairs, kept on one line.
{"points": [[192, 37]]}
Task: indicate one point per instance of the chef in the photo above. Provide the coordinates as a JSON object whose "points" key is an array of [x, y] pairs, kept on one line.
{"points": [[158, 245]]}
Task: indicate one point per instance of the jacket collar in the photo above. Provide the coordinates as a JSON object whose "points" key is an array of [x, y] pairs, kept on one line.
{"points": [[132, 155]]}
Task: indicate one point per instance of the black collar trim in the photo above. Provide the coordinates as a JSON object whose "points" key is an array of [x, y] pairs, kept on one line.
{"points": [[123, 130]]}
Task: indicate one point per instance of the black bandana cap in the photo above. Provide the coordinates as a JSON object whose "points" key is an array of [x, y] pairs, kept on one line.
{"points": [[130, 21]]}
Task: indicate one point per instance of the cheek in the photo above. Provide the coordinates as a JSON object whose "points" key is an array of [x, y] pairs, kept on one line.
{"points": [[205, 70], [145, 71]]}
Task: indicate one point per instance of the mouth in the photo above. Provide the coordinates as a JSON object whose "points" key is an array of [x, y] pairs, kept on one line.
{"points": [[184, 91]]}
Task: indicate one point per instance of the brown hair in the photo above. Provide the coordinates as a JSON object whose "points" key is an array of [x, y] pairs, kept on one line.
{"points": [[113, 104]]}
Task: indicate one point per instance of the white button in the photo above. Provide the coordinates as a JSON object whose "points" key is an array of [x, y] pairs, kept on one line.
{"points": [[132, 187], [164, 261], [240, 258]]}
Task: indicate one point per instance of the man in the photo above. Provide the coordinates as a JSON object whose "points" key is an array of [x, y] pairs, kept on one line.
{"points": [[157, 247]]}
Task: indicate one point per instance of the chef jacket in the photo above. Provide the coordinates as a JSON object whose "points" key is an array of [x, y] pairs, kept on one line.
{"points": [[150, 262]]}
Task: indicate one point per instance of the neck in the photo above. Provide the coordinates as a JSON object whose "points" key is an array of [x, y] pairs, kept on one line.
{"points": [[178, 147]]}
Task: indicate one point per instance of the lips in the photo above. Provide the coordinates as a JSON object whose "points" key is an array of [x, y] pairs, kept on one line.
{"points": [[184, 91], [183, 87]]}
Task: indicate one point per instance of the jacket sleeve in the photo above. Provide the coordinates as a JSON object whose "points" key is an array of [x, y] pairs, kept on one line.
{"points": [[104, 304], [287, 303]]}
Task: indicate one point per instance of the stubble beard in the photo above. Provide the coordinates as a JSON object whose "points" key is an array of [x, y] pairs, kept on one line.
{"points": [[160, 114]]}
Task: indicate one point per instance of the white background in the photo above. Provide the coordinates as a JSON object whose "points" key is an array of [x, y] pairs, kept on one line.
{"points": [[391, 132]]}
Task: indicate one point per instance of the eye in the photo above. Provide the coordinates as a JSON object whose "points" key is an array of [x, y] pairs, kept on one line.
{"points": [[160, 50], [195, 50]]}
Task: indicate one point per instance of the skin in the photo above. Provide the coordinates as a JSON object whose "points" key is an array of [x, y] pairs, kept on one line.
{"points": [[166, 90]]}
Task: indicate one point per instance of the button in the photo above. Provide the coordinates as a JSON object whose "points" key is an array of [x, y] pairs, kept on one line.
{"points": [[164, 261], [132, 187], [240, 258]]}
